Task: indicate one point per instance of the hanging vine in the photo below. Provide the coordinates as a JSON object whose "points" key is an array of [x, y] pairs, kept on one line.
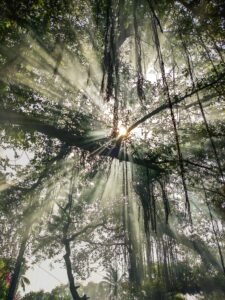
{"points": [[167, 92], [191, 74]]}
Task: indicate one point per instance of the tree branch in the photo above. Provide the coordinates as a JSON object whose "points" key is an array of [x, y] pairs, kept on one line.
{"points": [[104, 147], [176, 100], [187, 162], [109, 147], [105, 244], [83, 230]]}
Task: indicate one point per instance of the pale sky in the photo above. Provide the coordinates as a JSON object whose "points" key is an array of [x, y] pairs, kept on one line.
{"points": [[43, 276]]}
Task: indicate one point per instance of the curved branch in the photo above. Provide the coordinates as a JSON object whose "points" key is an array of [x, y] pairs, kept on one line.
{"points": [[176, 100], [104, 147]]}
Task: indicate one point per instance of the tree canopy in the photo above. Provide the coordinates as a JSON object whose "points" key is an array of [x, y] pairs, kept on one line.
{"points": [[112, 143]]}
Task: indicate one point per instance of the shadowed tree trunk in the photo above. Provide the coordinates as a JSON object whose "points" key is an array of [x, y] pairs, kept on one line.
{"points": [[73, 288], [66, 243], [18, 265]]}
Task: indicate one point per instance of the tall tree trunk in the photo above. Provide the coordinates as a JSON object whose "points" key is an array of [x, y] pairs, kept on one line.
{"points": [[16, 273], [73, 288]]}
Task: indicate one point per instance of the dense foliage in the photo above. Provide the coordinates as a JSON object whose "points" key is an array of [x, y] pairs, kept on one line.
{"points": [[112, 145]]}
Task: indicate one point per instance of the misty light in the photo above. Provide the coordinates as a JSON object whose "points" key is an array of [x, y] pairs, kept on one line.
{"points": [[122, 130]]}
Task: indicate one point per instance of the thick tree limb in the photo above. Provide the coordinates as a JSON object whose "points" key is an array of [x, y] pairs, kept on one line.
{"points": [[109, 147], [176, 100], [104, 147], [19, 261], [73, 288]]}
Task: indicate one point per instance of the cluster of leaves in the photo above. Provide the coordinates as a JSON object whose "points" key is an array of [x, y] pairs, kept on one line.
{"points": [[187, 281], [53, 116], [61, 291], [5, 270]]}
